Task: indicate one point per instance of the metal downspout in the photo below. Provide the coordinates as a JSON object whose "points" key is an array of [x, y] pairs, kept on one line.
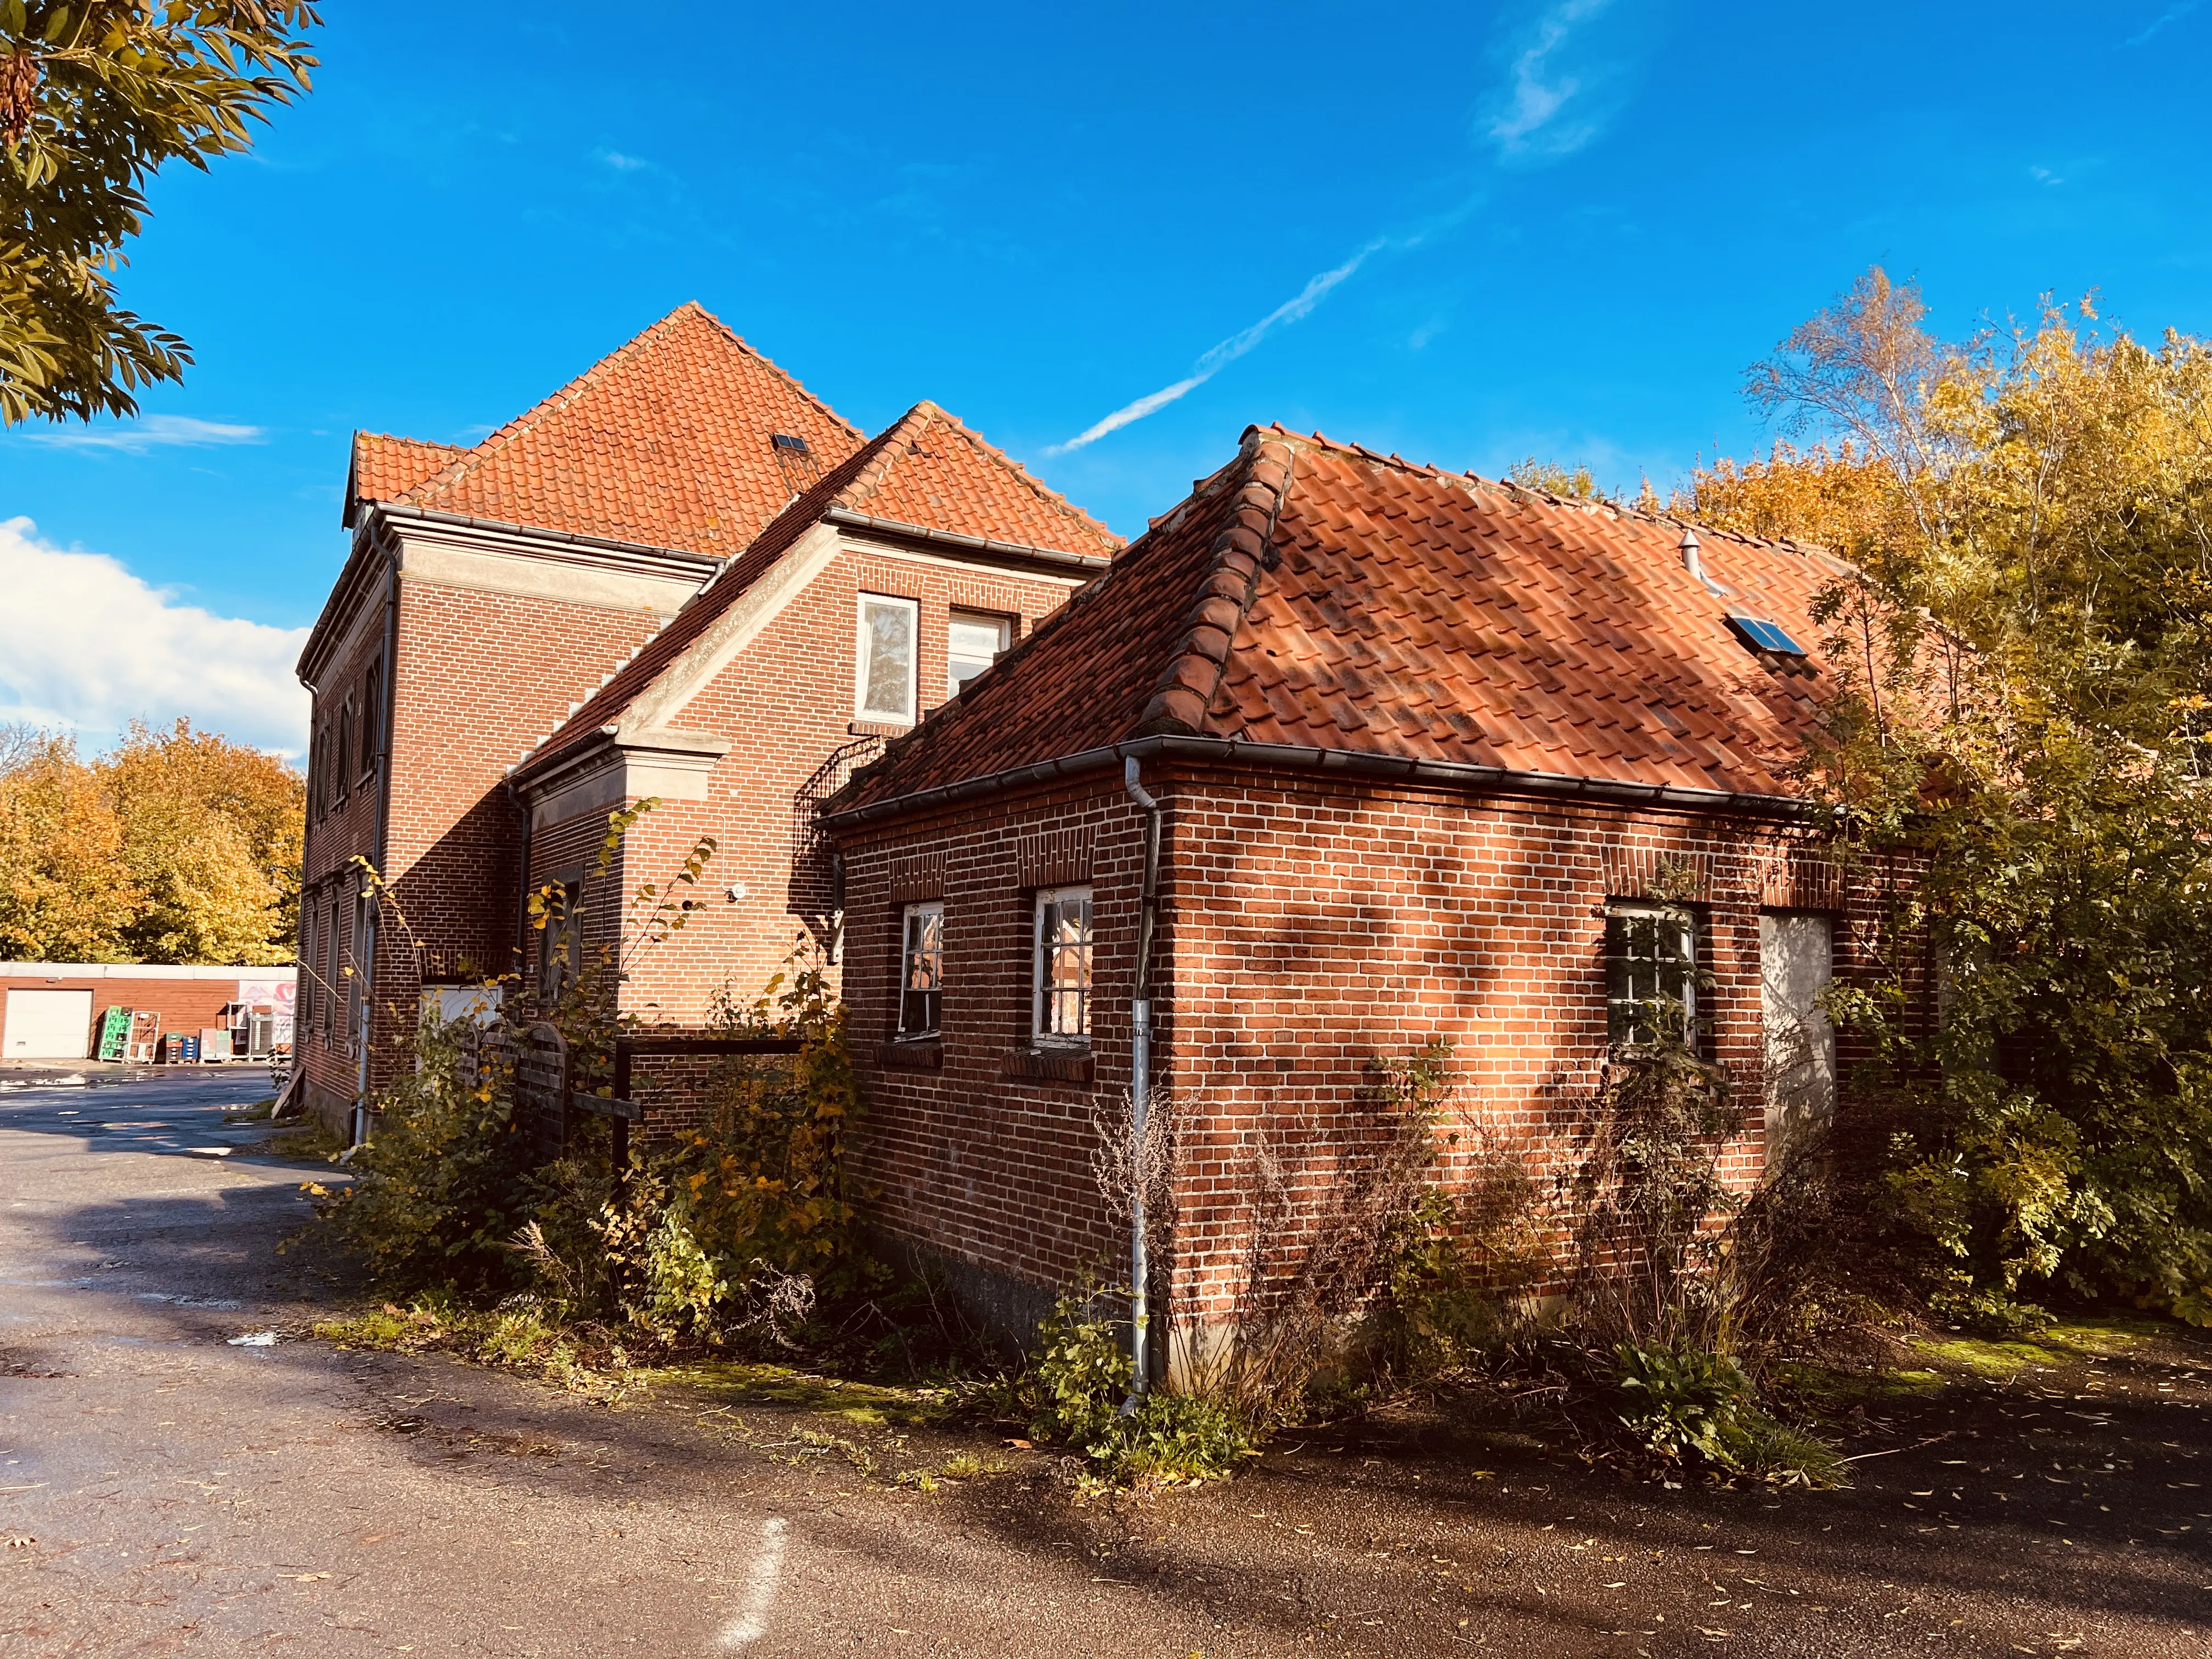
{"points": [[521, 890], [1140, 1069]]}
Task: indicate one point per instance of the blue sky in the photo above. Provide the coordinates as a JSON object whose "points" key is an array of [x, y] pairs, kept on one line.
{"points": [[1481, 232]]}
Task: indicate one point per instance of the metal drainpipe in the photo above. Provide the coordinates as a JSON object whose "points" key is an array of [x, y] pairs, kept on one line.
{"points": [[521, 892], [1140, 1068], [390, 689]]}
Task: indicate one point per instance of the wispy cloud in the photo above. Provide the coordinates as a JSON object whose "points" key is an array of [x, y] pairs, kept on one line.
{"points": [[87, 643], [155, 432], [1214, 360], [2172, 14], [1527, 119], [1526, 123], [622, 163]]}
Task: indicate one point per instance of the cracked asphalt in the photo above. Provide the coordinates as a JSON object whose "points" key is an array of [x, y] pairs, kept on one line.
{"points": [[164, 1489]]}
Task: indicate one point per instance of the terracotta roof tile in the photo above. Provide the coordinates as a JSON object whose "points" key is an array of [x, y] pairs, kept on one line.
{"points": [[941, 475], [666, 442], [925, 470], [385, 468], [1385, 606]]}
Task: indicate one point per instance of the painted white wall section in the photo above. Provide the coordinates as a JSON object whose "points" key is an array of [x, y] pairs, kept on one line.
{"points": [[1796, 960]]}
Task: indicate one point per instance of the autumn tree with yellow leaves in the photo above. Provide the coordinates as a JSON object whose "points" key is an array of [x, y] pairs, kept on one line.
{"points": [[2020, 628], [176, 846]]}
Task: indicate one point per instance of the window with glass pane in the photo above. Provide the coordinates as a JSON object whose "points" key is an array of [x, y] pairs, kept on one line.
{"points": [[921, 980], [1651, 960], [885, 669], [972, 644], [1062, 1013]]}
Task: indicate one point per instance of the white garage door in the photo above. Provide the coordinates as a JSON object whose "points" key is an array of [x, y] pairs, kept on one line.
{"points": [[48, 1026]]}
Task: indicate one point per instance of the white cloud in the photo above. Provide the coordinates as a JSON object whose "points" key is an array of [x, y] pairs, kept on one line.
{"points": [[85, 643], [2171, 15], [1527, 120], [622, 163], [155, 432], [1543, 113], [1299, 305]]}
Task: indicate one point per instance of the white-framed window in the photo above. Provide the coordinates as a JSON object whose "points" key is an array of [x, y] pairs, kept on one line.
{"points": [[972, 644], [1651, 960], [922, 970], [883, 669], [1059, 996]]}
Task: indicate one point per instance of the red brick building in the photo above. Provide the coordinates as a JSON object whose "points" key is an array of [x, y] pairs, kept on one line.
{"points": [[1432, 757], [662, 580]]}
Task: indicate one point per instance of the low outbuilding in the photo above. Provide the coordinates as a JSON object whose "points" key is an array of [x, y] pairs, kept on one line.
{"points": [[1346, 755]]}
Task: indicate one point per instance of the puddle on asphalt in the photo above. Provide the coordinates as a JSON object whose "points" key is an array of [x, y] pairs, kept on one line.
{"points": [[256, 1339]]}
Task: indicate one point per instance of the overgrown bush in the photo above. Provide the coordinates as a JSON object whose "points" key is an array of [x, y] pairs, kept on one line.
{"points": [[737, 1229], [740, 1227], [438, 1190], [1680, 1288], [1078, 1393], [1315, 1271]]}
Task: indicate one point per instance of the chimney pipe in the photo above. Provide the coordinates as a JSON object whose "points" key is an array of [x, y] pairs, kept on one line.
{"points": [[1691, 561]]}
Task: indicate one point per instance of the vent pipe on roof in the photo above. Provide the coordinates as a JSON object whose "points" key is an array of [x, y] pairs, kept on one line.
{"points": [[1691, 561]]}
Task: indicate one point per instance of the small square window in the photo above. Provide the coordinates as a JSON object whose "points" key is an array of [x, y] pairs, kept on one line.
{"points": [[1059, 1014], [1651, 960], [921, 971], [884, 680], [972, 644]]}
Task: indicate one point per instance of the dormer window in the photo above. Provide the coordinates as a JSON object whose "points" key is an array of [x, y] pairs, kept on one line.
{"points": [[972, 644]]}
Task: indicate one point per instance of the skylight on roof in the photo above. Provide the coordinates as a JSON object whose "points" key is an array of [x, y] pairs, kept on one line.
{"points": [[801, 469], [1763, 635]]}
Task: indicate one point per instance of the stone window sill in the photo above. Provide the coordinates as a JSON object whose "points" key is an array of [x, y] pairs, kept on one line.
{"points": [[1048, 1065]]}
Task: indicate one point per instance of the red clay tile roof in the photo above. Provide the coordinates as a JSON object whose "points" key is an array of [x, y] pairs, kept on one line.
{"points": [[927, 470], [938, 475], [385, 468], [1322, 596], [667, 442]]}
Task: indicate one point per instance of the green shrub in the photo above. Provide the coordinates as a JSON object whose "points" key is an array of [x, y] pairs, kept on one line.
{"points": [[1081, 1375], [1079, 1388], [1181, 1437], [1684, 1404], [438, 1188], [1692, 1409]]}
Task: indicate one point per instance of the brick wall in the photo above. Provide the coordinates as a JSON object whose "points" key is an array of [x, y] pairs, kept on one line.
{"points": [[1307, 927], [341, 825], [479, 679], [787, 701]]}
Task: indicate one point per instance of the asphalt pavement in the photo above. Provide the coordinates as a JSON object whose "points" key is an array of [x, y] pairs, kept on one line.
{"points": [[184, 1469]]}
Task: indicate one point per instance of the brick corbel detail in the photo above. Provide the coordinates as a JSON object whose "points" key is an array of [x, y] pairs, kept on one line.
{"points": [[1798, 881], [1635, 873], [1051, 858], [917, 875]]}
